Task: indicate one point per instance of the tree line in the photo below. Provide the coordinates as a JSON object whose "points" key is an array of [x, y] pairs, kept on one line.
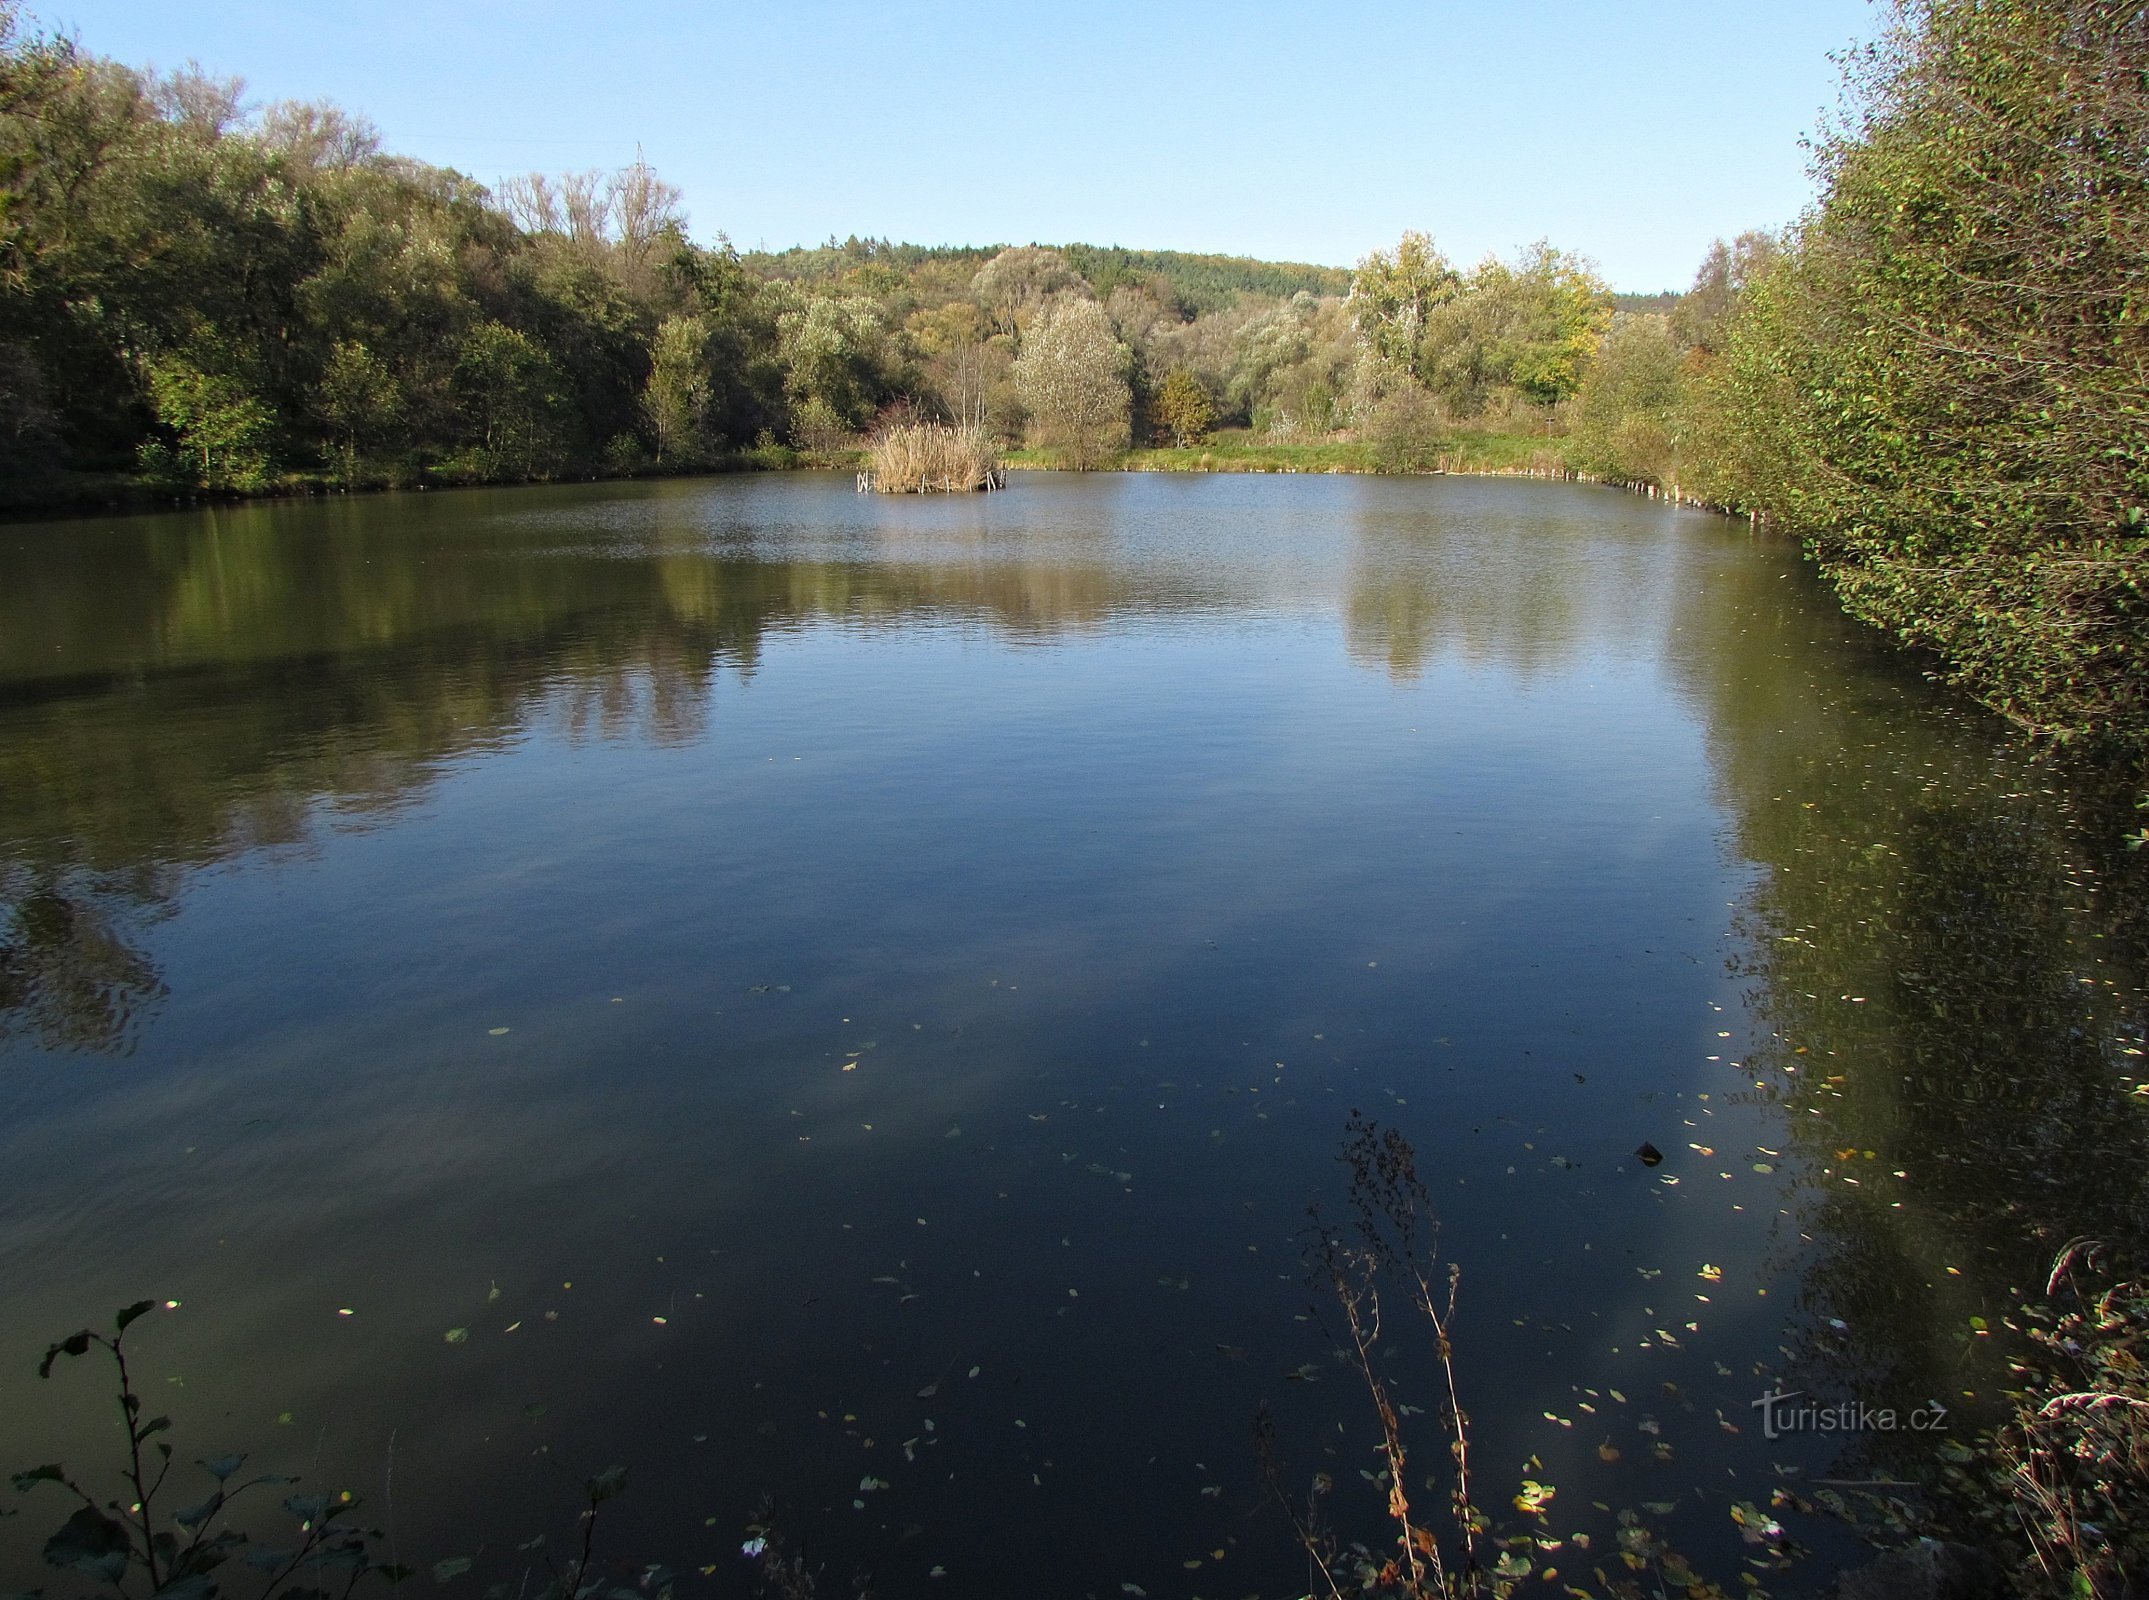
{"points": [[1936, 377]]}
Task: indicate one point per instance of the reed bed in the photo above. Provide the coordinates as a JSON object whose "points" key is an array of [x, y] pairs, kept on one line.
{"points": [[932, 458]]}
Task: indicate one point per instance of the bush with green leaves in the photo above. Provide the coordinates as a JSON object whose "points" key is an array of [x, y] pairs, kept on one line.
{"points": [[136, 1543], [1943, 386]]}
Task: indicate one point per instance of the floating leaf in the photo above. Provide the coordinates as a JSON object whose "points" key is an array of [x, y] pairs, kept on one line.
{"points": [[457, 1336], [452, 1568]]}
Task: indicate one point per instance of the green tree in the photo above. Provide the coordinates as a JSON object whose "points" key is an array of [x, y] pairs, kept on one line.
{"points": [[676, 397], [221, 428], [1528, 327], [1072, 375], [512, 394], [1393, 298], [358, 399], [1182, 407], [1944, 386], [835, 350], [1702, 318], [1628, 414]]}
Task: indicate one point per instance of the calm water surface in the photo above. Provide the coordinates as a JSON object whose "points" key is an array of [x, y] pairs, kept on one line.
{"points": [[829, 989]]}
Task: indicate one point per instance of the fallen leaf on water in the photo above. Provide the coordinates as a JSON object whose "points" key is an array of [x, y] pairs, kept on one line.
{"points": [[457, 1336]]}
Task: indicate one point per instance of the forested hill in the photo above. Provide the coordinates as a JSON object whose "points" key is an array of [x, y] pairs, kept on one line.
{"points": [[1199, 282]]}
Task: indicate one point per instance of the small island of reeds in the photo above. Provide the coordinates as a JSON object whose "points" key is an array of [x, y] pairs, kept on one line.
{"points": [[932, 458]]}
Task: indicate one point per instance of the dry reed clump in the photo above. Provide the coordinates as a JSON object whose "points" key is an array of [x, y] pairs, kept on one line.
{"points": [[933, 458]]}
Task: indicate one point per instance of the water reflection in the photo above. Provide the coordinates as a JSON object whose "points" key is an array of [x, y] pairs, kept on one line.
{"points": [[1944, 966], [875, 979], [1426, 588]]}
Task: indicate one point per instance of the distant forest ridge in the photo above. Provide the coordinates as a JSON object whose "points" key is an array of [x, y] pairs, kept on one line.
{"points": [[1202, 281]]}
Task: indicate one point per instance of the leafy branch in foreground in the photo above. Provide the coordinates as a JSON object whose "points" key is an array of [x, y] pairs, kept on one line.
{"points": [[125, 1546], [132, 1547]]}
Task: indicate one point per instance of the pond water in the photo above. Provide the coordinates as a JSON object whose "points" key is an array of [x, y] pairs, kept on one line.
{"points": [[815, 991]]}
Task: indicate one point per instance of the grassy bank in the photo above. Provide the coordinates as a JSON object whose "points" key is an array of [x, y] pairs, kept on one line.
{"points": [[1239, 450], [1461, 452]]}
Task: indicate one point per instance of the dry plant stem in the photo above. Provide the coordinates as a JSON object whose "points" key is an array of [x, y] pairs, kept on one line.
{"points": [[1361, 1312], [1459, 1424], [1305, 1529]]}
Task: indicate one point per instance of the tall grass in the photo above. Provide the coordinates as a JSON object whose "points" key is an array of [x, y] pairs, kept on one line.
{"points": [[933, 458]]}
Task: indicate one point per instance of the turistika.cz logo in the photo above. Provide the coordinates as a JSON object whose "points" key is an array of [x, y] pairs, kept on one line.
{"points": [[1794, 1411]]}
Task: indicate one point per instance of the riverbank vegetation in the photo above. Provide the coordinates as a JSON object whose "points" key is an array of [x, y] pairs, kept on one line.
{"points": [[1936, 378]]}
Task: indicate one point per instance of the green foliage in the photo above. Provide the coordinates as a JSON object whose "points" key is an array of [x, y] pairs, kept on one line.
{"points": [[836, 358], [1529, 327], [512, 397], [1072, 375], [221, 429], [1202, 283], [1405, 431], [1944, 386], [1627, 416], [1394, 296], [358, 399], [114, 1542], [139, 1542], [676, 397], [1182, 408]]}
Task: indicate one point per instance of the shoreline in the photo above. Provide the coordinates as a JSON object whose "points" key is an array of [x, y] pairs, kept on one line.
{"points": [[95, 496]]}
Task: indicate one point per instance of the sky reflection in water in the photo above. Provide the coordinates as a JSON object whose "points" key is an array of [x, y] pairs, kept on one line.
{"points": [[935, 935]]}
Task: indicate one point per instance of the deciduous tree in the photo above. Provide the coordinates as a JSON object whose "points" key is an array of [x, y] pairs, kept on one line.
{"points": [[1072, 374]]}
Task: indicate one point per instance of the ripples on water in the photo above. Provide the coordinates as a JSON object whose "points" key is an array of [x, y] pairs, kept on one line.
{"points": [[936, 935]]}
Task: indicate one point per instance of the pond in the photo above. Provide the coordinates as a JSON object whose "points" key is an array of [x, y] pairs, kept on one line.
{"points": [[850, 1000]]}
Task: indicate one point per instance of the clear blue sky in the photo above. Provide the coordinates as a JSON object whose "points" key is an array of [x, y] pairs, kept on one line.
{"points": [[1633, 132]]}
